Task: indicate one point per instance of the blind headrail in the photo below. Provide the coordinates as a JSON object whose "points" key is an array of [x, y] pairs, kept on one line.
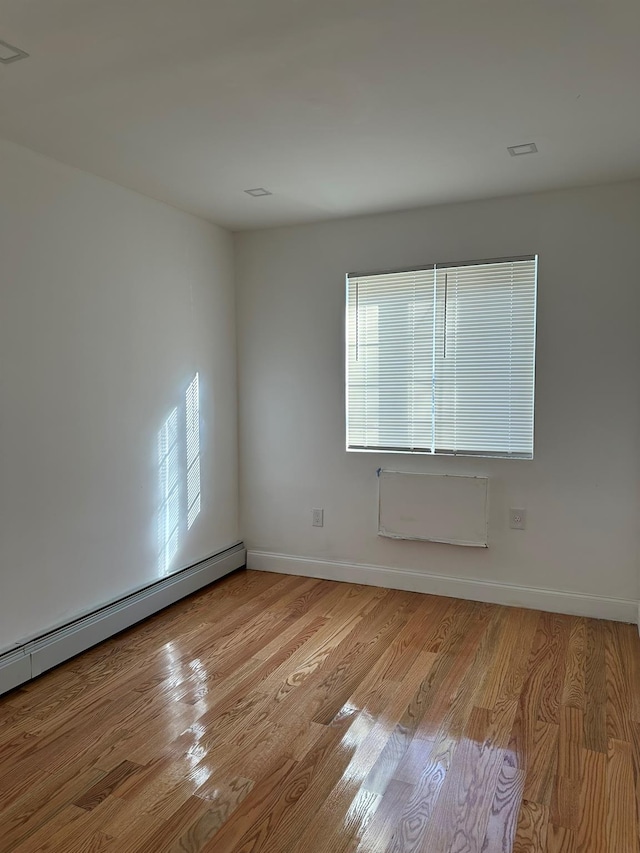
{"points": [[442, 266]]}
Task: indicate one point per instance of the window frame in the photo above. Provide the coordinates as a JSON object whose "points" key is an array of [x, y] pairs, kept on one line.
{"points": [[436, 266]]}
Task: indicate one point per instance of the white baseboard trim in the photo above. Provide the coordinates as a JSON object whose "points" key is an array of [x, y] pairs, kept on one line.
{"points": [[40, 654], [556, 601]]}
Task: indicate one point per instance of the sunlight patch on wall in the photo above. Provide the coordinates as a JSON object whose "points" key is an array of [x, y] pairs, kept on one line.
{"points": [[169, 514], [179, 475], [192, 401]]}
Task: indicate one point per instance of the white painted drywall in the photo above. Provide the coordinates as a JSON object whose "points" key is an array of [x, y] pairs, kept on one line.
{"points": [[581, 491], [109, 304]]}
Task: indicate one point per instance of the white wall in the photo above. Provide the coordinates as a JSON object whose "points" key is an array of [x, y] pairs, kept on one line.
{"points": [[110, 302], [582, 490]]}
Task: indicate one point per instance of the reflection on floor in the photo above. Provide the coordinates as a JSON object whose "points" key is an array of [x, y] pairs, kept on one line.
{"points": [[281, 714]]}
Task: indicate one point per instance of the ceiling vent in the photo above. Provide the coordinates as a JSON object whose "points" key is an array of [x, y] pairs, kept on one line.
{"points": [[258, 191], [9, 53], [526, 148]]}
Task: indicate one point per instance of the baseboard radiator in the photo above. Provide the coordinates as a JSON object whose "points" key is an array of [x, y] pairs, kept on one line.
{"points": [[42, 653]]}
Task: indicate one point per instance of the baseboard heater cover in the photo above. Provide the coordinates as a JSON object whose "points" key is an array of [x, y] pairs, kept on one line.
{"points": [[42, 653]]}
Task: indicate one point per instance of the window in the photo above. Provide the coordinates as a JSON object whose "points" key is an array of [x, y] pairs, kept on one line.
{"points": [[442, 359]]}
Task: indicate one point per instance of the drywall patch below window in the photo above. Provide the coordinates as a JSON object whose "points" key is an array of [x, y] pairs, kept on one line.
{"points": [[433, 508]]}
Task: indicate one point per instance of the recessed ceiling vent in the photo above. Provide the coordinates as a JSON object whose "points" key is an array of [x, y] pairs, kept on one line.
{"points": [[525, 148], [258, 191], [9, 53]]}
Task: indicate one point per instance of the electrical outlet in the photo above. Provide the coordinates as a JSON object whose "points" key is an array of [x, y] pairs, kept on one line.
{"points": [[317, 517], [517, 519]]}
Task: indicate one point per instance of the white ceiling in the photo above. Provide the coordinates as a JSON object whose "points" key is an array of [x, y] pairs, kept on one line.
{"points": [[337, 106]]}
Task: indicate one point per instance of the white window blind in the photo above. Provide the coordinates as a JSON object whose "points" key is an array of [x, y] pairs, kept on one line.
{"points": [[442, 359]]}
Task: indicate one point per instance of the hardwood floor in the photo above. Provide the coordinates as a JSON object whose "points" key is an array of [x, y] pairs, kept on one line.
{"points": [[288, 715]]}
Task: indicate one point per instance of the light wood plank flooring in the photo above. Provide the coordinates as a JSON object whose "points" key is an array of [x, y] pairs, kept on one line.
{"points": [[287, 715]]}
